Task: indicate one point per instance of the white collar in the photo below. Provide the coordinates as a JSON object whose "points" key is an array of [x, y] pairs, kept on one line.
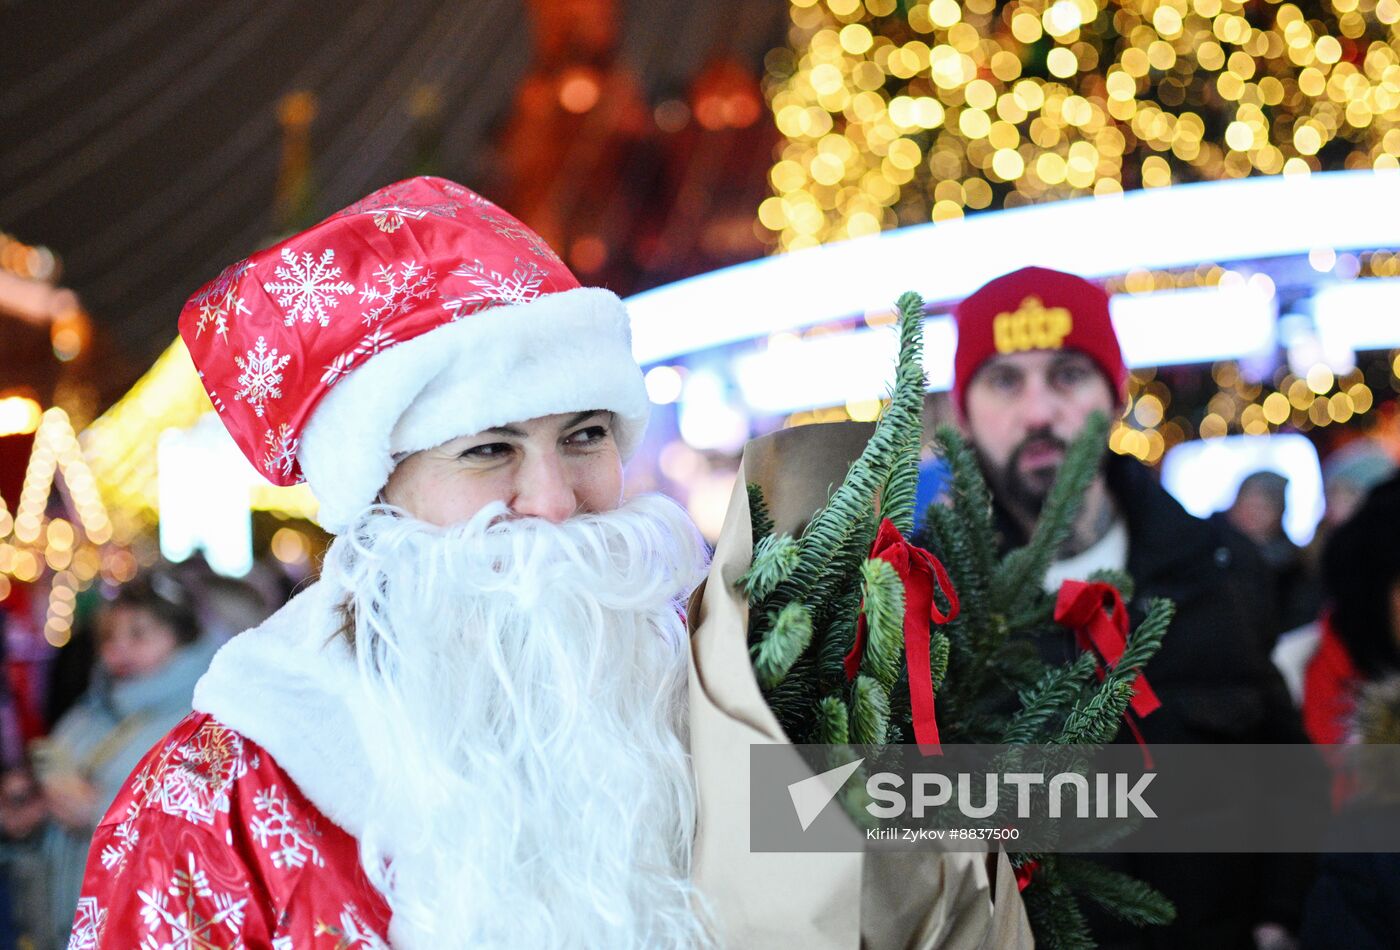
{"points": [[1110, 551], [287, 685]]}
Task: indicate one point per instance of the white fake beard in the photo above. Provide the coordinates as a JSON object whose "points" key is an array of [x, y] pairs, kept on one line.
{"points": [[524, 721]]}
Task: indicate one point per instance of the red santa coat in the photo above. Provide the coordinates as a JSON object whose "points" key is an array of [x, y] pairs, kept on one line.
{"points": [[238, 829], [213, 845]]}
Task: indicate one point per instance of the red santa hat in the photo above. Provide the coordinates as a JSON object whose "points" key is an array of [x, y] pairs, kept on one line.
{"points": [[418, 314], [1036, 308]]}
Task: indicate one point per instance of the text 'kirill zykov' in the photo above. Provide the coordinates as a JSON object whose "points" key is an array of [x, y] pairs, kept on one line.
{"points": [[1111, 798]]}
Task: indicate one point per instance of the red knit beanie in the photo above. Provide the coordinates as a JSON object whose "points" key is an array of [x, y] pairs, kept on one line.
{"points": [[1036, 308]]}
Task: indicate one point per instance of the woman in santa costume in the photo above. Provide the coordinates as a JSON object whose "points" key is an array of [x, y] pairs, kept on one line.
{"points": [[469, 731]]}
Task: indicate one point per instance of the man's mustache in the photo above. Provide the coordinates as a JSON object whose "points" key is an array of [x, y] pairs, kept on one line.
{"points": [[1037, 440]]}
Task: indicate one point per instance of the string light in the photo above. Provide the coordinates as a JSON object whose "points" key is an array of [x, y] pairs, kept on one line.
{"points": [[58, 624], [901, 113], [56, 450]]}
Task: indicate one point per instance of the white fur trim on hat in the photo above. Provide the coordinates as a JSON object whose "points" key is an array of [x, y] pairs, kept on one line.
{"points": [[563, 352]]}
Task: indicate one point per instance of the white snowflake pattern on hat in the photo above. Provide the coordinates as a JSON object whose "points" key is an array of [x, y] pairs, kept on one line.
{"points": [[392, 206], [493, 289], [220, 300], [261, 378], [338, 368], [281, 455], [397, 293], [307, 288], [378, 339]]}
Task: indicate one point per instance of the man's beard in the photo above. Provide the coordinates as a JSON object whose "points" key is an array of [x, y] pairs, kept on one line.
{"points": [[1024, 492], [523, 716]]}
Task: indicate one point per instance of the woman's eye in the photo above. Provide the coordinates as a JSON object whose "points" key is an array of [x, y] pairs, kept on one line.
{"points": [[487, 452], [589, 435]]}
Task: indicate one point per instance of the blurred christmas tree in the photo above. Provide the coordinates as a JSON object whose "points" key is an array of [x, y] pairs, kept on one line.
{"points": [[898, 112]]}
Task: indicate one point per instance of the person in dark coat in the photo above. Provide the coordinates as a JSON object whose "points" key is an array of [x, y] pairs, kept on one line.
{"points": [[1036, 357], [1257, 513]]}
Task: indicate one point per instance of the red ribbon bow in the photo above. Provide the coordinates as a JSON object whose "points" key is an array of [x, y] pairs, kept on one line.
{"points": [[917, 570], [1024, 873], [1085, 608]]}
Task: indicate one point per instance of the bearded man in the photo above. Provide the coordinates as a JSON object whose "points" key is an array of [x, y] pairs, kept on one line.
{"points": [[470, 731], [1037, 355]]}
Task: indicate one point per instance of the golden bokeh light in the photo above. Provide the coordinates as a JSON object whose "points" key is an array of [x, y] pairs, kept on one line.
{"points": [[880, 103]]}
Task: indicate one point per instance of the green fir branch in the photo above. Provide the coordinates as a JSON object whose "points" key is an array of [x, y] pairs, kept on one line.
{"points": [[870, 712], [884, 621], [971, 504], [1126, 898], [759, 517], [940, 647], [1146, 640], [840, 576], [904, 415], [774, 558], [1054, 911], [1095, 721], [1051, 697], [776, 653], [835, 638], [833, 727]]}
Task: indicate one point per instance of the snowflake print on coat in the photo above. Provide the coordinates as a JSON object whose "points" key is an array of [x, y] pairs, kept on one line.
{"points": [[127, 838], [494, 289], [294, 848], [183, 919], [191, 779], [88, 925], [267, 870], [197, 787], [397, 293], [307, 288], [220, 300], [261, 377], [281, 454]]}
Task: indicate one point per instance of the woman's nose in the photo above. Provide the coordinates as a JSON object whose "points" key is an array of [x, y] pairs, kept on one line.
{"points": [[544, 490]]}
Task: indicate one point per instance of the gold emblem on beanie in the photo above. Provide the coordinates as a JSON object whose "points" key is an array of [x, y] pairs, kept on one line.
{"points": [[1032, 326]]}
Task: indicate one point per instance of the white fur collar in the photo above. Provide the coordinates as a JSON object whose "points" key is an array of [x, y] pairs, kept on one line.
{"points": [[287, 685]]}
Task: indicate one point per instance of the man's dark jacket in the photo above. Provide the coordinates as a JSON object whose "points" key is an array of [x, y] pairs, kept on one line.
{"points": [[1217, 684]]}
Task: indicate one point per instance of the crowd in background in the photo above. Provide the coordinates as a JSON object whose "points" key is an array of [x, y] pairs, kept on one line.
{"points": [[128, 673]]}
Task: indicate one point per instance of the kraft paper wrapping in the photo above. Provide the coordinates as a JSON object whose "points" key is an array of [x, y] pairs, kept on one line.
{"points": [[829, 901]]}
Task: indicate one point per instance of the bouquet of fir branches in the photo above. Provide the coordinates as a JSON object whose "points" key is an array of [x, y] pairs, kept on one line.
{"points": [[837, 662]]}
